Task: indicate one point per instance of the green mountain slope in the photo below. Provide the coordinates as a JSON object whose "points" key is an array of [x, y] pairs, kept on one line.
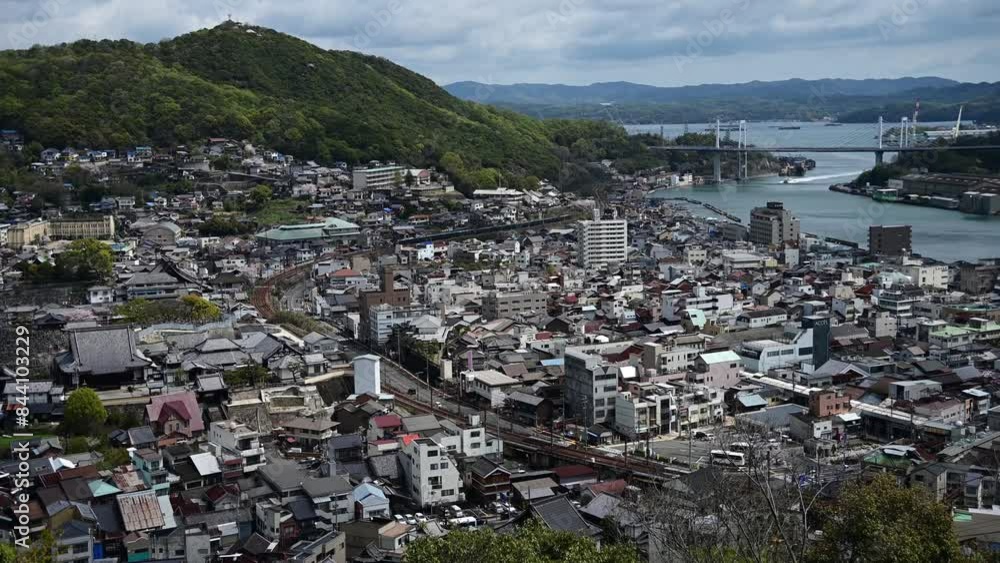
{"points": [[262, 85]]}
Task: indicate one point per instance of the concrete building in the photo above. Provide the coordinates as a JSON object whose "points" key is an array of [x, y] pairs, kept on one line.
{"points": [[499, 305], [230, 439], [430, 474], [646, 412], [382, 318], [762, 318], [602, 242], [66, 228], [72, 228], [378, 177], [719, 370], [773, 225], [592, 382], [164, 233], [890, 240], [761, 356], [368, 375], [390, 295]]}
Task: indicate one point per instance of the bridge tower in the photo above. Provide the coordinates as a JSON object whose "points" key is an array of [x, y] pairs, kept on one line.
{"points": [[880, 155], [717, 157]]}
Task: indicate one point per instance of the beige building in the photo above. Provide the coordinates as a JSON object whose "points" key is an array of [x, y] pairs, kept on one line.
{"points": [[40, 231], [100, 227], [32, 232]]}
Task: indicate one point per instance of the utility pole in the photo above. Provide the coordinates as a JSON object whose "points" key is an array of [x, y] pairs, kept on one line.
{"points": [[880, 131], [690, 437]]}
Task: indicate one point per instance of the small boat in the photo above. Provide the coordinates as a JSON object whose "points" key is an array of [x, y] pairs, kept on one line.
{"points": [[786, 182], [789, 127], [832, 124]]}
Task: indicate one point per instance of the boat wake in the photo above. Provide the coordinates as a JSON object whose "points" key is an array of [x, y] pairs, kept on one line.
{"points": [[808, 179]]}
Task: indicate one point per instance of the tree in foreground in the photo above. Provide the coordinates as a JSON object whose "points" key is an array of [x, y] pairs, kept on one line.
{"points": [[529, 544], [84, 412], [881, 522]]}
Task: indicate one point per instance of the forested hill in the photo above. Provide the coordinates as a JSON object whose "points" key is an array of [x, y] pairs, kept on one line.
{"points": [[273, 89]]}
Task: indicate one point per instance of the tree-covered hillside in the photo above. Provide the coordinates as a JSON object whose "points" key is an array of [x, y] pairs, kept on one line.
{"points": [[273, 89]]}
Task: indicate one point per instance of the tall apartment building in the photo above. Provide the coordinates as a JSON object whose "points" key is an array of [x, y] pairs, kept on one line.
{"points": [[890, 240], [602, 242], [378, 177], [430, 473], [773, 225], [499, 305], [592, 381]]}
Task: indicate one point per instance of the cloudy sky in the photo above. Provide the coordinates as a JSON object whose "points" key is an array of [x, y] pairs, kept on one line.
{"points": [[661, 42]]}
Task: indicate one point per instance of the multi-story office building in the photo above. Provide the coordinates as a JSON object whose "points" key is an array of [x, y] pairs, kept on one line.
{"points": [[498, 305], [890, 240], [602, 242], [430, 474], [382, 318], [898, 301], [382, 177], [592, 381], [773, 225]]}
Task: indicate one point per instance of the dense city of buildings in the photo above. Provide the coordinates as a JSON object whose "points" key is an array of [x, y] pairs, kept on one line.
{"points": [[369, 357]]}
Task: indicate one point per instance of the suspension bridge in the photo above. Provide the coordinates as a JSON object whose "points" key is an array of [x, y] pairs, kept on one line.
{"points": [[863, 139]]}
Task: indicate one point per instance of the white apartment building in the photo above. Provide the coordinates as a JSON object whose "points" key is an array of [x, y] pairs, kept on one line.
{"points": [[928, 277], [761, 356], [602, 242], [712, 303], [381, 319], [378, 177], [592, 382], [645, 412], [470, 441], [230, 439], [430, 473]]}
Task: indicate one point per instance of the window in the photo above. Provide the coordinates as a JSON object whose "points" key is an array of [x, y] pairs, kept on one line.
{"points": [[447, 492], [434, 467], [432, 453], [476, 445]]}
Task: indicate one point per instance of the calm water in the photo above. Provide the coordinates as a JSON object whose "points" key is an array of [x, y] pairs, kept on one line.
{"points": [[937, 233]]}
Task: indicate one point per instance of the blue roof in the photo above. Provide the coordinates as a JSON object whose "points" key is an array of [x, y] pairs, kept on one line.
{"points": [[366, 490], [553, 362]]}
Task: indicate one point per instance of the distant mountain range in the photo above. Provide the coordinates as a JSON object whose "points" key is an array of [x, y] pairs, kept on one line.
{"points": [[848, 100]]}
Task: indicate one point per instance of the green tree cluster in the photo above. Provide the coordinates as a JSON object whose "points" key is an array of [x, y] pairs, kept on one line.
{"points": [[84, 412], [86, 260], [190, 308]]}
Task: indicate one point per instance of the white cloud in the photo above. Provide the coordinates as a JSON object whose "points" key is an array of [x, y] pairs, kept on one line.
{"points": [[574, 41]]}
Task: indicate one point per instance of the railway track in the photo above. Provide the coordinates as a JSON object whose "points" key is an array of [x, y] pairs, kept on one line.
{"points": [[262, 300], [635, 466]]}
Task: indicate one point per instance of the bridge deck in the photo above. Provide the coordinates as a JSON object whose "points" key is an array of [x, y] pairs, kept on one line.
{"points": [[824, 149]]}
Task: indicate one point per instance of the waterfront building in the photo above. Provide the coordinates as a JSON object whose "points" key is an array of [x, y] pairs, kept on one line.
{"points": [[773, 225], [890, 240]]}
